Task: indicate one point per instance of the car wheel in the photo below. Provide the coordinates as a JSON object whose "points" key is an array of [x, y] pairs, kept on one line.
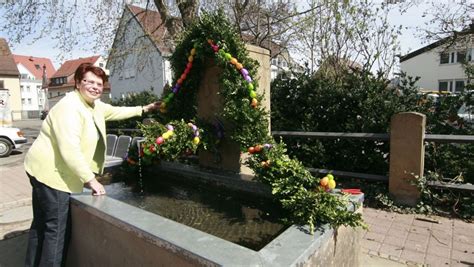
{"points": [[5, 147]]}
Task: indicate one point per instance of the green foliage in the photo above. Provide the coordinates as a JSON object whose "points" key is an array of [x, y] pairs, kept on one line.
{"points": [[291, 184], [138, 99], [180, 143], [244, 124], [360, 102], [298, 190]]}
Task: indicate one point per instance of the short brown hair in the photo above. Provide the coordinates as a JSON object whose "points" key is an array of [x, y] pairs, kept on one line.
{"points": [[86, 67]]}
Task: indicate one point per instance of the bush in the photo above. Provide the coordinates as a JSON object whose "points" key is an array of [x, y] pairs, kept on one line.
{"points": [[359, 102]]}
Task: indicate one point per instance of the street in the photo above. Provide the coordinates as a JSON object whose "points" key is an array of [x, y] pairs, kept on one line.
{"points": [[31, 130]]}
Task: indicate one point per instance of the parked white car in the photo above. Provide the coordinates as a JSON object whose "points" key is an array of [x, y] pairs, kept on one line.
{"points": [[10, 139], [467, 113]]}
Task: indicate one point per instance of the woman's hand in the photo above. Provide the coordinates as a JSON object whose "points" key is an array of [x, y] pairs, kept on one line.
{"points": [[96, 187], [152, 106]]}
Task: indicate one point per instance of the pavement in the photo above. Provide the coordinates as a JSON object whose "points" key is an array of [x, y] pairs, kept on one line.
{"points": [[393, 239]]}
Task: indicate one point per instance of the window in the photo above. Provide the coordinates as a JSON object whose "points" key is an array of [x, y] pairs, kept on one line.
{"points": [[461, 57], [23, 101], [38, 87], [29, 101], [21, 88], [459, 86], [1, 84], [274, 61], [444, 58], [101, 65], [443, 86], [37, 67], [28, 88], [23, 76], [50, 95]]}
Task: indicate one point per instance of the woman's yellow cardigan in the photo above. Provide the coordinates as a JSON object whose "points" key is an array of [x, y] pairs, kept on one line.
{"points": [[71, 145]]}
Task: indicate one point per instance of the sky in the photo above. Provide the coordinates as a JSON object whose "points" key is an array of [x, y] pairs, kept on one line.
{"points": [[409, 40]]}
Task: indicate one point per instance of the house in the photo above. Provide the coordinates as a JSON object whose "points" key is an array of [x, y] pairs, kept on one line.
{"points": [[34, 74], [10, 103], [439, 65], [138, 60], [62, 80]]}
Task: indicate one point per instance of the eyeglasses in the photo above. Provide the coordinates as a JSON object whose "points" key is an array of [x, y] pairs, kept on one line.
{"points": [[92, 83]]}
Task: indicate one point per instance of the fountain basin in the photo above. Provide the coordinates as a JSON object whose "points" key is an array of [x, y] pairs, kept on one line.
{"points": [[108, 232]]}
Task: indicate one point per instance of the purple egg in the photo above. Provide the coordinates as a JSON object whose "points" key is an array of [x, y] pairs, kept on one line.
{"points": [[248, 78], [177, 86], [196, 133], [244, 72], [175, 90], [170, 127], [194, 127], [267, 146]]}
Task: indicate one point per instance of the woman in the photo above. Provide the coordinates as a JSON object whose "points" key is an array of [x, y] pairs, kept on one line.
{"points": [[66, 156]]}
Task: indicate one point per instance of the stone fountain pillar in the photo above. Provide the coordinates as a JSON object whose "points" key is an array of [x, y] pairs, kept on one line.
{"points": [[228, 157]]}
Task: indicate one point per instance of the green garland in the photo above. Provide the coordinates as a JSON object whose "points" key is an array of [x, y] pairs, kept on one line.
{"points": [[214, 38]]}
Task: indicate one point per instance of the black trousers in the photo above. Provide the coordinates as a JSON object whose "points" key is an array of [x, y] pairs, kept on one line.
{"points": [[50, 230]]}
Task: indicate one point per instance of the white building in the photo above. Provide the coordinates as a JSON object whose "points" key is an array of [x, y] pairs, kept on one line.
{"points": [[34, 73], [138, 59], [439, 65]]}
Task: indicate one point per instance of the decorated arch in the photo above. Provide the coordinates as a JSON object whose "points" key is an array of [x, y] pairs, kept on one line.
{"points": [[213, 40]]}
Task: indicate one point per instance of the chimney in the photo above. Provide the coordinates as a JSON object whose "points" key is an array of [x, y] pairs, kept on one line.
{"points": [[45, 79]]}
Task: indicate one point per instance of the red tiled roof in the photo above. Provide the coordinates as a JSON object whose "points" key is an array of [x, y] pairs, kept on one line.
{"points": [[70, 66], [275, 48], [72, 84], [35, 65], [152, 24], [7, 63]]}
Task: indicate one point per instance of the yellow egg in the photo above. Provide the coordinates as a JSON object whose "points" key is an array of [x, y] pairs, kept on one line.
{"points": [[331, 184], [196, 140]]}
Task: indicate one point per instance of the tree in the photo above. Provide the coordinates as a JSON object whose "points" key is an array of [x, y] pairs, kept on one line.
{"points": [[341, 33], [88, 27]]}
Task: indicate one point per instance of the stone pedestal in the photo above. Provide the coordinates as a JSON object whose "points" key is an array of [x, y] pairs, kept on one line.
{"points": [[228, 156], [406, 156]]}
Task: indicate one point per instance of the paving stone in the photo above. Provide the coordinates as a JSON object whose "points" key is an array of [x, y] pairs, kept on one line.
{"points": [[16, 215], [465, 247], [463, 239], [375, 237], [462, 256], [415, 246], [379, 229], [400, 226], [436, 261], [370, 245], [391, 250], [394, 240], [403, 220], [414, 256], [419, 229], [398, 233], [418, 221], [439, 251], [420, 238]]}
